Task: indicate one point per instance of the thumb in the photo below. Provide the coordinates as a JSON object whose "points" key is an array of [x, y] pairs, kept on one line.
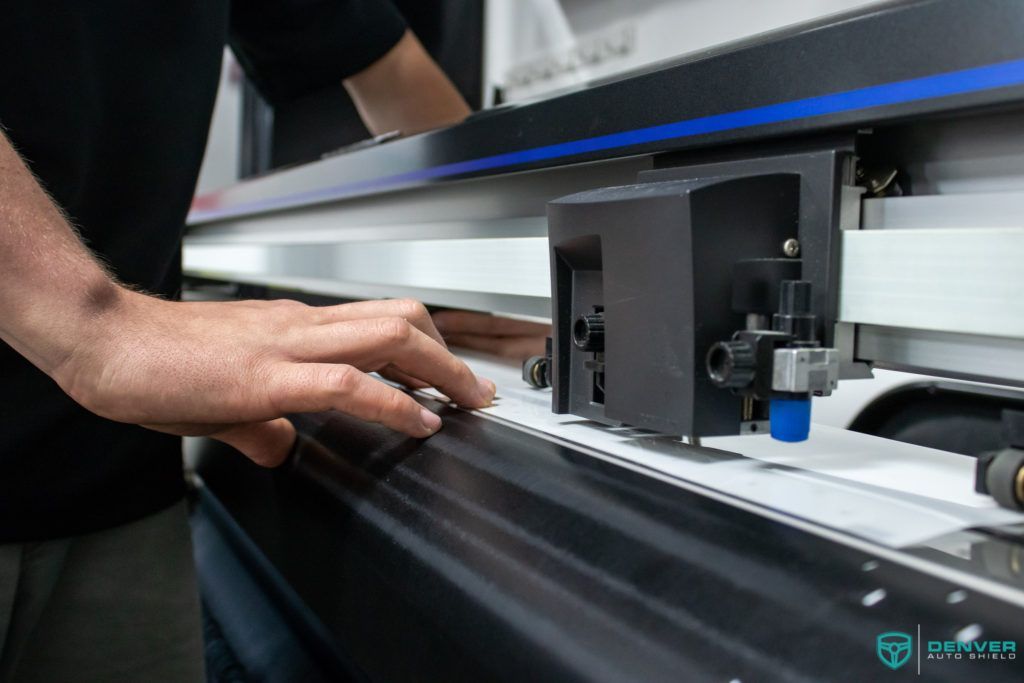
{"points": [[265, 443]]}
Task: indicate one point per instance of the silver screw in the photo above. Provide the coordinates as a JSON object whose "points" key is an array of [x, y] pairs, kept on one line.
{"points": [[791, 247]]}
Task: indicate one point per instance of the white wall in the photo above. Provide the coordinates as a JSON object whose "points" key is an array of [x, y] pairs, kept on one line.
{"points": [[220, 165], [534, 47]]}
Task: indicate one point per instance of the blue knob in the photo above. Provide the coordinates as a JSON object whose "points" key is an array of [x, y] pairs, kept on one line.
{"points": [[790, 418]]}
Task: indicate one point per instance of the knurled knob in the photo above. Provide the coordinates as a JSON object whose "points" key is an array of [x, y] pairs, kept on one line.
{"points": [[731, 364], [588, 332]]}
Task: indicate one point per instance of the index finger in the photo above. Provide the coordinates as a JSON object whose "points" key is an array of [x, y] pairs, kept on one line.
{"points": [[373, 344]]}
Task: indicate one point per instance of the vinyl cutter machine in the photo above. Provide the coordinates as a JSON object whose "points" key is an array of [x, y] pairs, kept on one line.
{"points": [[720, 243]]}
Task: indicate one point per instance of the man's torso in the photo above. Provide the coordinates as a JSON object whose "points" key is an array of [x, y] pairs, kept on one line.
{"points": [[109, 103]]}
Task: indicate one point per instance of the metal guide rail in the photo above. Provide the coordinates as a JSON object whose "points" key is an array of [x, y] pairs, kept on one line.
{"points": [[935, 320]]}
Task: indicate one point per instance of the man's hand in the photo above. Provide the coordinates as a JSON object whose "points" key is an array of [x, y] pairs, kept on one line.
{"points": [[232, 370], [228, 370], [505, 337]]}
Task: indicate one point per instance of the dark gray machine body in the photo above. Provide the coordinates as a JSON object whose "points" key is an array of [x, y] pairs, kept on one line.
{"points": [[661, 259]]}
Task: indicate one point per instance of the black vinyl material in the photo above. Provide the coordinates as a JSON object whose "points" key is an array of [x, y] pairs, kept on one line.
{"points": [[485, 553]]}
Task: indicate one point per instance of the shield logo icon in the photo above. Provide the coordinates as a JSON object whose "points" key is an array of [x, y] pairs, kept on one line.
{"points": [[893, 648]]}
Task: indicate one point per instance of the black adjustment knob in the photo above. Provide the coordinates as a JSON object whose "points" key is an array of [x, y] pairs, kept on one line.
{"points": [[731, 364], [588, 332]]}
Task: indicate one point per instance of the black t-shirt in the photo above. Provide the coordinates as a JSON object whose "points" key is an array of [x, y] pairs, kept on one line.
{"points": [[109, 102]]}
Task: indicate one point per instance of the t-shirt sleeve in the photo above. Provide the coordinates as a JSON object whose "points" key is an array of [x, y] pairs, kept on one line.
{"points": [[293, 47]]}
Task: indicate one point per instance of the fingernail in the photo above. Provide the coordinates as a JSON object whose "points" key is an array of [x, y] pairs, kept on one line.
{"points": [[431, 422], [487, 388]]}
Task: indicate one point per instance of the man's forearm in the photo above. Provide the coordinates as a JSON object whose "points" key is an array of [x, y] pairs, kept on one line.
{"points": [[406, 91], [50, 283], [230, 370]]}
